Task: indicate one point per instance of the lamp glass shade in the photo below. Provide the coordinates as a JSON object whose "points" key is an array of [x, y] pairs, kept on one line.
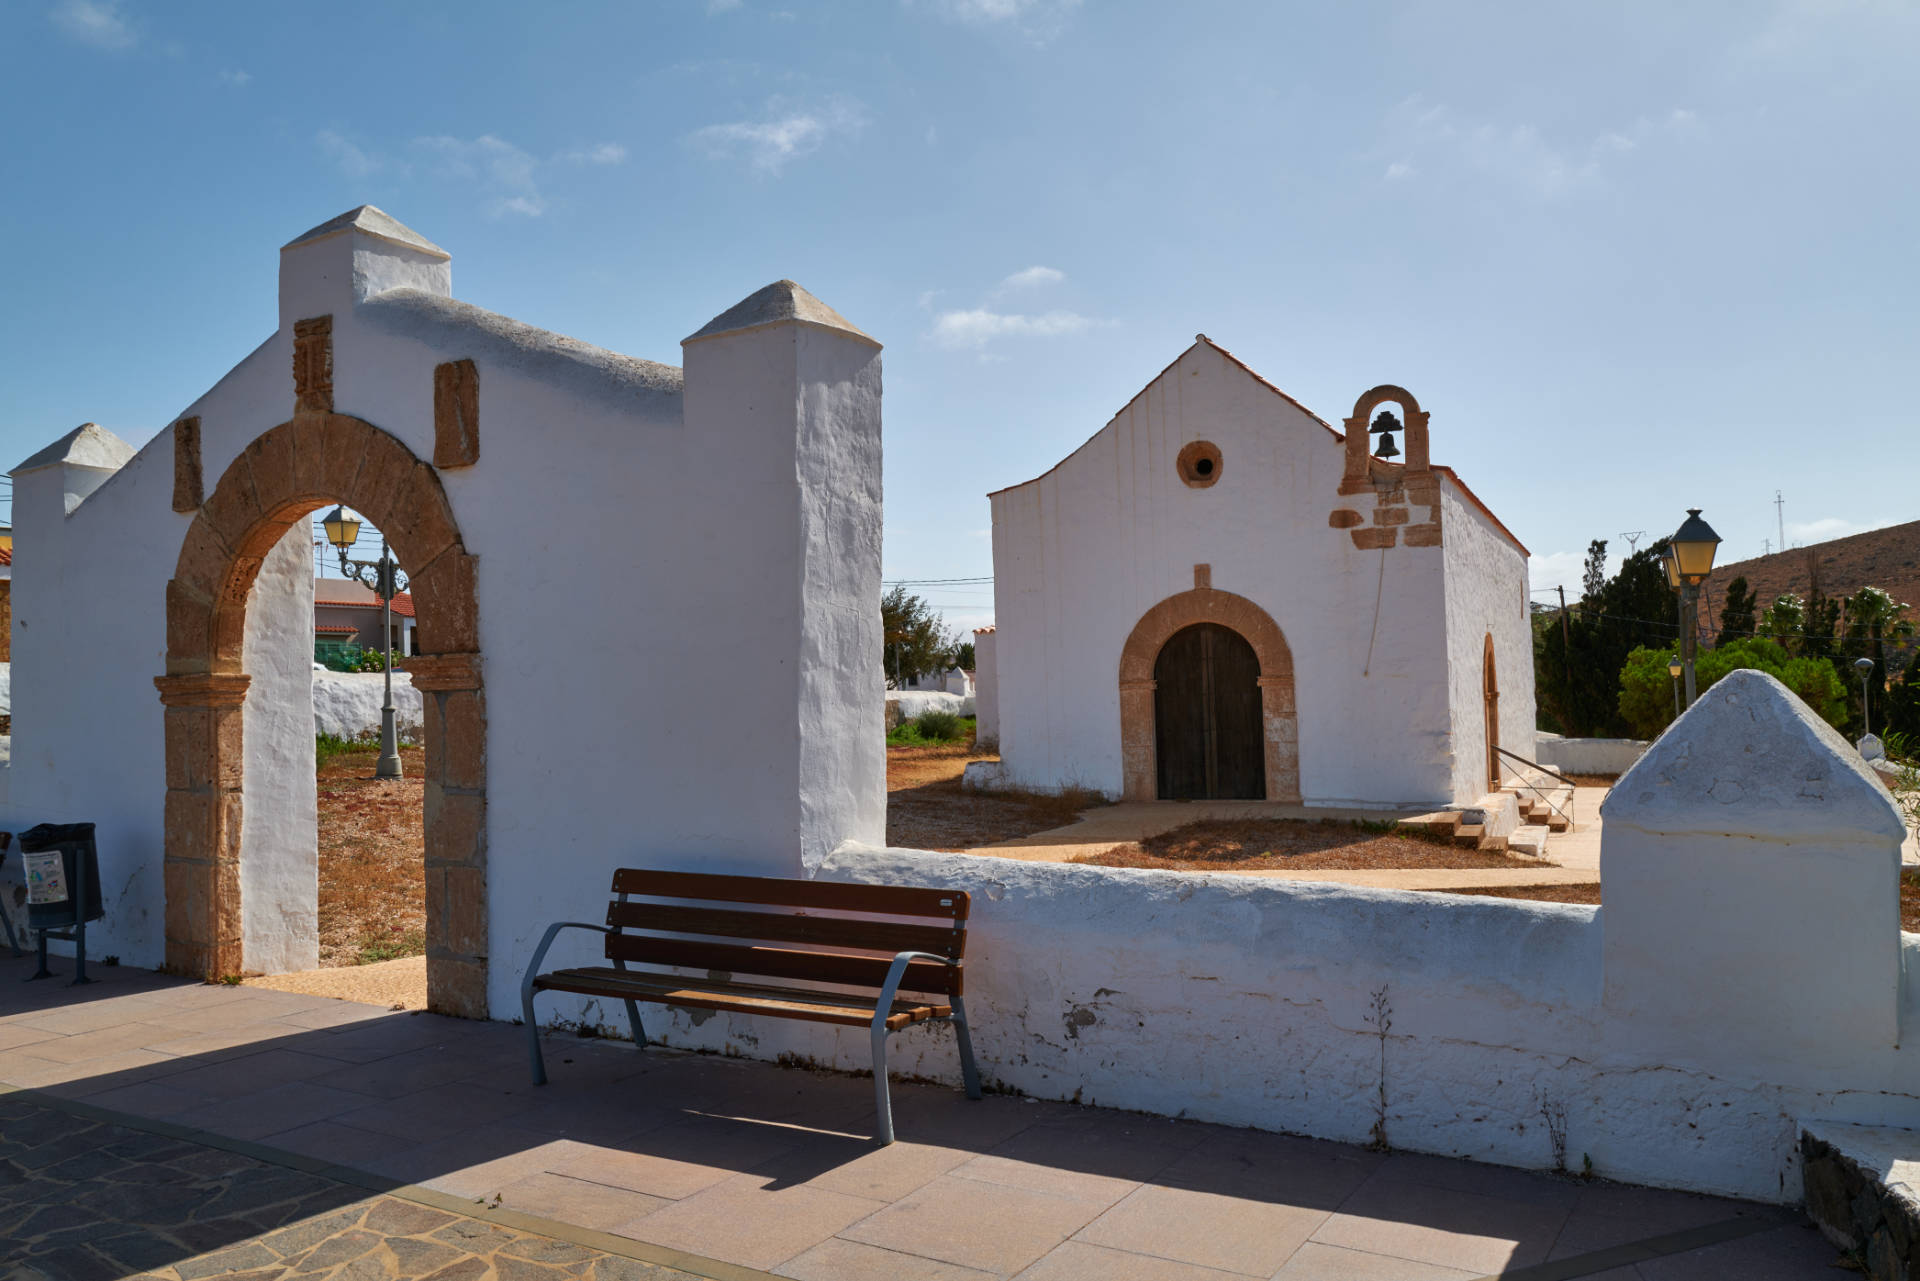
{"points": [[1674, 669], [1694, 544], [342, 527], [1671, 566], [1863, 666]]}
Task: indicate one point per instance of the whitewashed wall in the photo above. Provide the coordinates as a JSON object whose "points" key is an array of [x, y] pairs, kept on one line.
{"points": [[749, 491], [1083, 551], [1588, 755], [986, 689], [1747, 973], [1486, 596]]}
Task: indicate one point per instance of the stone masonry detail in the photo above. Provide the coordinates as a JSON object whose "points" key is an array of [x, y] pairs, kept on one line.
{"points": [[456, 414], [1398, 488], [188, 491]]}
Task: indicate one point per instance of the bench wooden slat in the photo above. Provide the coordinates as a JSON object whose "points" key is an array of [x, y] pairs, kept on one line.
{"points": [[788, 927], [744, 998], [891, 900], [781, 963]]}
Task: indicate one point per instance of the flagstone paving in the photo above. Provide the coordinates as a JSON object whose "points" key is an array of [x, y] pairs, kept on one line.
{"points": [[162, 1129]]}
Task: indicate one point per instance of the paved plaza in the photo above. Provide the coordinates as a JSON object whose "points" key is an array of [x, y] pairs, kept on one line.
{"points": [[153, 1127]]}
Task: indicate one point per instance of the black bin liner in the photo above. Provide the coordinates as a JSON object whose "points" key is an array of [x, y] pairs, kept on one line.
{"points": [[77, 852]]}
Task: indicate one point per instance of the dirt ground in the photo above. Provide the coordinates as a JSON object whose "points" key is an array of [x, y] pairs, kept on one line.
{"points": [[372, 860], [1909, 896], [1258, 845], [927, 810]]}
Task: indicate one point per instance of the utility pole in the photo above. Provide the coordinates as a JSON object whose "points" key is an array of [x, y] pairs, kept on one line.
{"points": [[1780, 516], [1633, 540], [1766, 547], [1566, 642]]}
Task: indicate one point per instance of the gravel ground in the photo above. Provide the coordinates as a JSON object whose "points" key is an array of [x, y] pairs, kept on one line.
{"points": [[1258, 845], [928, 810], [397, 985]]}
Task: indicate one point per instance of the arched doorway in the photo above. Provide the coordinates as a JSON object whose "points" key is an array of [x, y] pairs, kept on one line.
{"points": [[1206, 717], [317, 459], [1490, 690], [1246, 622]]}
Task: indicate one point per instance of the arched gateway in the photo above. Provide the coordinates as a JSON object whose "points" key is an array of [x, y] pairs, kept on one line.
{"points": [[1197, 638], [317, 459]]}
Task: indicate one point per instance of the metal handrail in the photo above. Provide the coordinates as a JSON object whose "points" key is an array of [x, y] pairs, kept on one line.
{"points": [[1538, 790]]}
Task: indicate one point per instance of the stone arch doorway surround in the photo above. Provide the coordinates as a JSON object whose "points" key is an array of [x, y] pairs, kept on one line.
{"points": [[316, 459], [1490, 692], [1279, 721]]}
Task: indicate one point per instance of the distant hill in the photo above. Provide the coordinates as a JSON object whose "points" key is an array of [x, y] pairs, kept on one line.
{"points": [[1885, 558]]}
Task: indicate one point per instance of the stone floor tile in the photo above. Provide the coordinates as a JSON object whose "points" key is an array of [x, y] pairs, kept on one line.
{"points": [[282, 1107], [1441, 1225], [1584, 1232], [1316, 1262], [1794, 1252], [334, 1014], [1505, 1182], [386, 1038], [1115, 1145], [15, 1035], [841, 1163], [1076, 1260], [1046, 1177], [151, 1099], [682, 1158], [978, 1225], [483, 1152], [841, 1260], [744, 1221], [1273, 1167], [331, 1141], [251, 1073], [236, 1041], [1206, 1228], [87, 1076], [578, 1201], [398, 1075], [431, 1115], [94, 1043]]}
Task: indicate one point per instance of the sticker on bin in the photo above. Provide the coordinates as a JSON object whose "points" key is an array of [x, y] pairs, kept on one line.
{"points": [[46, 877]]}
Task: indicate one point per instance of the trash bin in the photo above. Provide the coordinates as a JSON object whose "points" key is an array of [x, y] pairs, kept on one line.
{"points": [[62, 869]]}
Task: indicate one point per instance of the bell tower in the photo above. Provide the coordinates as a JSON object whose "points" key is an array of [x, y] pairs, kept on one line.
{"points": [[1401, 490]]}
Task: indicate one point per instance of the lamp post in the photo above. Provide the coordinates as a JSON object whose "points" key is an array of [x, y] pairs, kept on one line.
{"points": [[1689, 562], [1673, 672], [1864, 666], [343, 528]]}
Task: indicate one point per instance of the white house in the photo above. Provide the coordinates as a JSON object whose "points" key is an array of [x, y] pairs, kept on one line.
{"points": [[721, 532], [1220, 595]]}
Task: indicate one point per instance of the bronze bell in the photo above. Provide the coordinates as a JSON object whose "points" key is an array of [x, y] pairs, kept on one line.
{"points": [[1384, 426], [1386, 449]]}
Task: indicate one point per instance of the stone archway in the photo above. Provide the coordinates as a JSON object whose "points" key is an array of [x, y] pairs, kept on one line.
{"points": [[1279, 721], [315, 459]]}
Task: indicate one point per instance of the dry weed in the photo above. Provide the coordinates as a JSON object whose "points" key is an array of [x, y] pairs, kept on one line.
{"points": [[1268, 844], [928, 810]]}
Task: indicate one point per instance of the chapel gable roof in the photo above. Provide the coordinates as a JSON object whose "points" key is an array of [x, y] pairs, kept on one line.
{"points": [[373, 222], [88, 445]]}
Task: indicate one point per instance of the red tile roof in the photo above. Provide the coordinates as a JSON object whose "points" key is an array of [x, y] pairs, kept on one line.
{"points": [[6, 555], [335, 629], [402, 604]]}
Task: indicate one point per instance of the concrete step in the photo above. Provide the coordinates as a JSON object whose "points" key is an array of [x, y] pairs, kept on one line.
{"points": [[1557, 823], [1528, 841], [1438, 823], [1469, 834]]}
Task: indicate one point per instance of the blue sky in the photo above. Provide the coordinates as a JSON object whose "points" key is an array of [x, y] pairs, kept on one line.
{"points": [[1633, 257]]}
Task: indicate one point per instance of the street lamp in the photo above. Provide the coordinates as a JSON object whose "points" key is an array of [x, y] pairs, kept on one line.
{"points": [[343, 527], [1673, 671], [1689, 560], [1864, 666]]}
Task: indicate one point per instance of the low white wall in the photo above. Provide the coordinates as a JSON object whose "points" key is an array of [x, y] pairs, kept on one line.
{"points": [[1745, 976], [1587, 755], [912, 702], [348, 703]]}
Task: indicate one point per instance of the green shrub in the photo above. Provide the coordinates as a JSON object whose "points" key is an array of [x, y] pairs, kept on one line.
{"points": [[1646, 688], [913, 733], [938, 726]]}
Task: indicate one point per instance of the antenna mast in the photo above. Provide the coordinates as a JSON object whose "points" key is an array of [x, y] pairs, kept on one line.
{"points": [[1633, 540], [1780, 515]]}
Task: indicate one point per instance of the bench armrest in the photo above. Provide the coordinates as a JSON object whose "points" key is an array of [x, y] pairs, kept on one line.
{"points": [[895, 973], [540, 953]]}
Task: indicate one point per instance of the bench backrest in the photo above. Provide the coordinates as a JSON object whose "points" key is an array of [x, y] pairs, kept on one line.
{"points": [[768, 927]]}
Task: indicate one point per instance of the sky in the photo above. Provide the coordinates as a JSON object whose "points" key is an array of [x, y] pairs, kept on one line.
{"points": [[1633, 257]]}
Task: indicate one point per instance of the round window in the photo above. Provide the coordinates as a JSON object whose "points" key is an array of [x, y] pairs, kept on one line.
{"points": [[1199, 463]]}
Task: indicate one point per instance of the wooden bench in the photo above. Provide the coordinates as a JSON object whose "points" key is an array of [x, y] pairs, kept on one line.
{"points": [[822, 951]]}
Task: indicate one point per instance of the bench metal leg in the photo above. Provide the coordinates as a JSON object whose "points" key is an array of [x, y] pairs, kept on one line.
{"points": [[633, 1021], [968, 1072], [883, 1126], [533, 1037]]}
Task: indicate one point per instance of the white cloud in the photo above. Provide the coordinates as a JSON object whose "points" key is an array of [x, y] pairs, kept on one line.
{"points": [[787, 133], [1033, 277], [96, 22], [237, 79], [1802, 532], [1043, 19], [351, 160], [501, 169], [977, 327], [601, 153], [1520, 154]]}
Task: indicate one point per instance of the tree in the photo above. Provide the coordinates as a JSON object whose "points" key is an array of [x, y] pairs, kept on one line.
{"points": [[1646, 687], [1594, 577], [915, 639], [1736, 618], [963, 656], [1874, 618], [1577, 666], [1785, 619]]}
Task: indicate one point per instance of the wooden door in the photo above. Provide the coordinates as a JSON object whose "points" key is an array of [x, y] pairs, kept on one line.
{"points": [[1490, 682], [1208, 743]]}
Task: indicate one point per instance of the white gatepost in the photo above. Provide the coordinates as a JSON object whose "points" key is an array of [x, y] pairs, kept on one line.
{"points": [[1752, 915]]}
